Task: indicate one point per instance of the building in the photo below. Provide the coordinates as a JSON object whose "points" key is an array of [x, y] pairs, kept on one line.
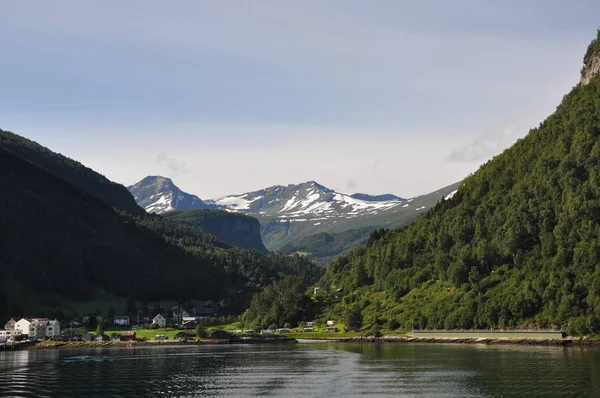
{"points": [[331, 330], [38, 328], [189, 324], [122, 320], [329, 323], [10, 335], [310, 324], [283, 330], [309, 330], [160, 321], [128, 336], [10, 325], [52, 328], [88, 337]]}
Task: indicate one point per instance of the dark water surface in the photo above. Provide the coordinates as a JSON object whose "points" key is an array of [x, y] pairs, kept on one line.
{"points": [[303, 370]]}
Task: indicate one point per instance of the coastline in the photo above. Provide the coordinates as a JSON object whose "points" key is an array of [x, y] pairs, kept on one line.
{"points": [[493, 339], [150, 343], [566, 342]]}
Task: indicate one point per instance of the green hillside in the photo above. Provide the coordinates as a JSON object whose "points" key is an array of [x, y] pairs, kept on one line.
{"points": [[518, 244], [235, 229], [323, 247], [84, 178]]}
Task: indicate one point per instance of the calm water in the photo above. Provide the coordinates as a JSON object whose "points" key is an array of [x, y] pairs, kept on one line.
{"points": [[303, 370]]}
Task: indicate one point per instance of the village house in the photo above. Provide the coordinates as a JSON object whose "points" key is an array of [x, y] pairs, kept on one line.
{"points": [[10, 325], [160, 321], [329, 323], [121, 320], [10, 335], [128, 336], [88, 337]]}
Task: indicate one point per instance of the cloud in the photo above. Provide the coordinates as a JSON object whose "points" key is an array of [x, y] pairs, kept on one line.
{"points": [[171, 166], [483, 148], [352, 183]]}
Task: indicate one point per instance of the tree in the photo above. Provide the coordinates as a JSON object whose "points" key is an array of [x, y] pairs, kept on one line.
{"points": [[100, 329], [353, 318], [200, 331]]}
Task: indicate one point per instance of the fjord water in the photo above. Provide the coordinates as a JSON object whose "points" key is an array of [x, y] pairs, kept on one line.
{"points": [[303, 370]]}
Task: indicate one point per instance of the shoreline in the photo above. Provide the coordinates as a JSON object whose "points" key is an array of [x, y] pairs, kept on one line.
{"points": [[565, 342]]}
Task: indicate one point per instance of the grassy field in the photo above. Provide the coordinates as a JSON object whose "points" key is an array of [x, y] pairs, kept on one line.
{"points": [[150, 333]]}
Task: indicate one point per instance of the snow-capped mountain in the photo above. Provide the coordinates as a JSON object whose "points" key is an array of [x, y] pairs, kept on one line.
{"points": [[303, 202], [290, 213], [158, 194]]}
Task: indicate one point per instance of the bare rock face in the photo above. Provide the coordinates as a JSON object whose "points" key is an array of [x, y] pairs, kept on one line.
{"points": [[591, 61]]}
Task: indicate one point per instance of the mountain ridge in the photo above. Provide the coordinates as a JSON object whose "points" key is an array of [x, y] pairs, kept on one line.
{"points": [[88, 180]]}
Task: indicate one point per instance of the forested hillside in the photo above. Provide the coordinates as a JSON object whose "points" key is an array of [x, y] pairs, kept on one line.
{"points": [[84, 178], [518, 244], [234, 229], [59, 243]]}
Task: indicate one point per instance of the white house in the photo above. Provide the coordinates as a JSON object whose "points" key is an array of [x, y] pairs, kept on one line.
{"points": [[160, 321], [122, 320], [10, 334], [10, 325], [52, 328], [329, 323]]}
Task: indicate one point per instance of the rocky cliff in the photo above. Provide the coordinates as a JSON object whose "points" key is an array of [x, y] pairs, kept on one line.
{"points": [[591, 61]]}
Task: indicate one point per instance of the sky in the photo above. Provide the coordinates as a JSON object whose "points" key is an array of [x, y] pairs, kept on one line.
{"points": [[226, 97]]}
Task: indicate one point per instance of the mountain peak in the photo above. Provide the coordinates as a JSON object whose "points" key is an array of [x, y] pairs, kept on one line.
{"points": [[158, 194], [591, 61]]}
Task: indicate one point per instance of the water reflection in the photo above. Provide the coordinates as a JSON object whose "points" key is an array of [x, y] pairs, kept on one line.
{"points": [[306, 370]]}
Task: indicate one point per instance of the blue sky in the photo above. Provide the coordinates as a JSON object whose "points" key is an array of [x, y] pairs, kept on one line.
{"points": [[226, 97]]}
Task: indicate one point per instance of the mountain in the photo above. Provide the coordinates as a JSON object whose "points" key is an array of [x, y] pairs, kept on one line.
{"points": [[297, 202], [375, 198], [290, 213], [516, 246], [158, 195], [71, 171], [63, 248], [231, 228]]}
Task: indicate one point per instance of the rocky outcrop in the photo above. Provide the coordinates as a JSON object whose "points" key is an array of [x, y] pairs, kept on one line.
{"points": [[591, 61]]}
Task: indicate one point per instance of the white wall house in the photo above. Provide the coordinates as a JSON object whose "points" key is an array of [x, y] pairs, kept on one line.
{"points": [[122, 320], [52, 328], [10, 334], [160, 321]]}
